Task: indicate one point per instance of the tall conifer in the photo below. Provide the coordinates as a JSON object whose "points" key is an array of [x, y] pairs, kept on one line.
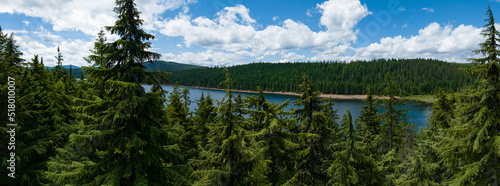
{"points": [[474, 142], [123, 138]]}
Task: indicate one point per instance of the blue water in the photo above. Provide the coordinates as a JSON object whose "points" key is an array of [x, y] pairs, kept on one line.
{"points": [[417, 113]]}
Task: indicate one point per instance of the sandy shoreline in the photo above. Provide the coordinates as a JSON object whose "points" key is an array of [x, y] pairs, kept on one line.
{"points": [[329, 96]]}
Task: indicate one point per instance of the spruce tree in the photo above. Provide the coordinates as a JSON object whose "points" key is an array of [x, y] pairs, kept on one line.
{"points": [[472, 142], [227, 159], [204, 116], [273, 136], [368, 118], [123, 137], [38, 131], [349, 159], [314, 134], [392, 115], [369, 127]]}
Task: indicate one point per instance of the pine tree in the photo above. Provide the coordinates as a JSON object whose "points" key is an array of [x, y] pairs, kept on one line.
{"points": [[59, 57], [398, 133], [204, 116], [123, 137], [419, 170], [38, 131], [370, 142], [272, 136], [368, 118], [226, 160], [59, 71], [314, 135], [10, 63], [393, 116], [474, 134]]}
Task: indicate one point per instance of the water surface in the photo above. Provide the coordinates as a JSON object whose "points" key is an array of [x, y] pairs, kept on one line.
{"points": [[417, 113]]}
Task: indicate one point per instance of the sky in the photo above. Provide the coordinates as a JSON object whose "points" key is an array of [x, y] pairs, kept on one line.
{"points": [[234, 32]]}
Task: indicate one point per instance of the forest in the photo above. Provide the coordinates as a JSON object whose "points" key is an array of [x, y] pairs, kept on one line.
{"points": [[415, 76], [106, 129]]}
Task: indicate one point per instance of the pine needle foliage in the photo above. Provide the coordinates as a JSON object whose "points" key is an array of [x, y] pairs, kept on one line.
{"points": [[123, 138], [473, 139]]}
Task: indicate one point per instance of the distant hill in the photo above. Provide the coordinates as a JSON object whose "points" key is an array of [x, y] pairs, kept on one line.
{"points": [[155, 66], [67, 67], [169, 66], [413, 76]]}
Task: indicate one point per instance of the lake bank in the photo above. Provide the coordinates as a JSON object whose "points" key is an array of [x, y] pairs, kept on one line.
{"points": [[417, 98], [417, 112]]}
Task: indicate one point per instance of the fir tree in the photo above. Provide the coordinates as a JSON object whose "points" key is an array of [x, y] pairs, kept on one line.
{"points": [[368, 119], [226, 160], [123, 138], [38, 132], [310, 166], [371, 141], [474, 134], [271, 123], [350, 163], [393, 116], [204, 116]]}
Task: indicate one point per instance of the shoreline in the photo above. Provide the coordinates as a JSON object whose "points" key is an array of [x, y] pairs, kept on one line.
{"points": [[328, 96]]}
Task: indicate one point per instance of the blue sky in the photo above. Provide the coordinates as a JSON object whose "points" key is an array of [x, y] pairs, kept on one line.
{"points": [[232, 32]]}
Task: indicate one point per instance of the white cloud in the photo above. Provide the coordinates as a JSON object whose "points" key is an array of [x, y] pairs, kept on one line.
{"points": [[404, 26], [291, 57], [75, 15], [233, 30], [309, 13], [73, 51], [342, 14], [428, 9], [433, 41], [206, 58], [275, 18], [87, 16], [402, 9]]}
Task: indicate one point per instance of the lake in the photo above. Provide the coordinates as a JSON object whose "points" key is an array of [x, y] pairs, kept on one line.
{"points": [[417, 113]]}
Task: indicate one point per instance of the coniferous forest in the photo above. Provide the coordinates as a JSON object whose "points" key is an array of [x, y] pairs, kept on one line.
{"points": [[107, 129], [415, 76]]}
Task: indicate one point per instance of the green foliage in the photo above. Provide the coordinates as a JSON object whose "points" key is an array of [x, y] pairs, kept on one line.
{"points": [[124, 141], [272, 137], [415, 76], [106, 129], [227, 159], [168, 66], [470, 145], [314, 135], [351, 165]]}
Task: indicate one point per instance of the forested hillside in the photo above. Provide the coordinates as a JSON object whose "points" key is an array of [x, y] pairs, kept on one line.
{"points": [[415, 76], [107, 129], [168, 66]]}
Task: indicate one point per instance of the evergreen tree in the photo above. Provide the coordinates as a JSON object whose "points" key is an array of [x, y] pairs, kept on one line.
{"points": [[368, 119], [123, 138], [10, 63], [393, 116], [273, 136], [371, 142], [59, 71], [38, 132], [204, 116], [227, 160], [314, 135], [474, 134], [59, 57]]}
